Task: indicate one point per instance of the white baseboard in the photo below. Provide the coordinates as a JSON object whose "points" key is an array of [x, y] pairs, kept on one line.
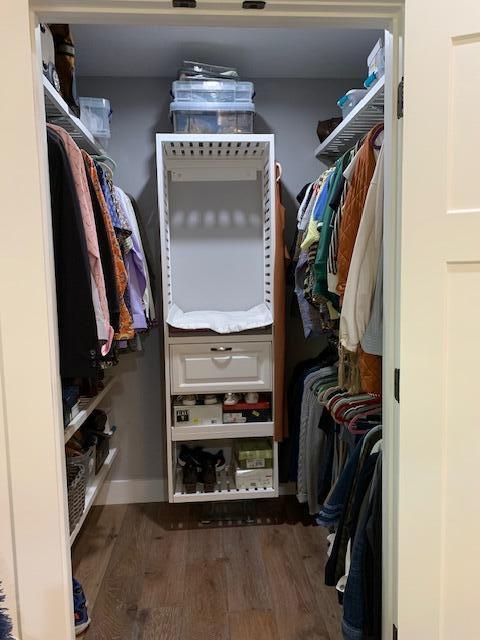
{"points": [[133, 491], [150, 490]]}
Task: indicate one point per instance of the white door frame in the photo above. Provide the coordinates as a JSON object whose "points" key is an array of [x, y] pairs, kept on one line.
{"points": [[32, 412]]}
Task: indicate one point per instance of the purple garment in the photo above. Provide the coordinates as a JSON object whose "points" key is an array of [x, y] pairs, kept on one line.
{"points": [[135, 265]]}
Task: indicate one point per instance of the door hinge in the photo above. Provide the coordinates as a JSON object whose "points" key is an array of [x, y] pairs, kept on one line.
{"points": [[400, 100], [396, 388], [395, 633]]}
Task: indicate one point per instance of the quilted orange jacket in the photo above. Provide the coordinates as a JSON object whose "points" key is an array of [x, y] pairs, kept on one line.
{"points": [[370, 366], [353, 208]]}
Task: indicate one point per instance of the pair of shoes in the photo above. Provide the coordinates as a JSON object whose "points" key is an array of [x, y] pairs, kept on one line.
{"points": [[234, 398], [200, 466], [191, 400], [80, 611], [187, 401]]}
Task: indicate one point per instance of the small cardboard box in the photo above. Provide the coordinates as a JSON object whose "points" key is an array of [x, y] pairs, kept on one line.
{"points": [[254, 454], [199, 414], [243, 412], [253, 478]]}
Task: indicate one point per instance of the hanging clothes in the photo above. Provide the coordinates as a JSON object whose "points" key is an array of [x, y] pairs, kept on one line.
{"points": [[77, 330], [102, 315], [125, 330], [362, 274], [365, 162], [135, 263], [280, 263]]}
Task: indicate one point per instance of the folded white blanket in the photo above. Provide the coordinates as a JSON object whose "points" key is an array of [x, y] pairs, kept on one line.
{"points": [[221, 321]]}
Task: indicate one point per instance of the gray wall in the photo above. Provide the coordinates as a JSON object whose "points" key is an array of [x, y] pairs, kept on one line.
{"points": [[290, 109]]}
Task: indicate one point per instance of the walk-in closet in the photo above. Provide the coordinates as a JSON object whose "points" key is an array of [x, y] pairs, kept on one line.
{"points": [[223, 235]]}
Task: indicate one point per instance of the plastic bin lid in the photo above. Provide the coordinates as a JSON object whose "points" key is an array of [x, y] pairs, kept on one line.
{"points": [[228, 84], [179, 105]]}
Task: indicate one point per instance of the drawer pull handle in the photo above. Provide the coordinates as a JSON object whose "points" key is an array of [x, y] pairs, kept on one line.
{"points": [[220, 348]]}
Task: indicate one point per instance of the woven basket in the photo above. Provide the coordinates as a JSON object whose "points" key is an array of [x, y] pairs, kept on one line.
{"points": [[86, 461], [76, 487]]}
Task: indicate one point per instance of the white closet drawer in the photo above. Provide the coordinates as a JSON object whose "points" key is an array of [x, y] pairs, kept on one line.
{"points": [[221, 366]]}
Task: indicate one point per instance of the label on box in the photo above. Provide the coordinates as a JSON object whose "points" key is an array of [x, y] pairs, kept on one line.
{"points": [[233, 418], [257, 463], [182, 415]]}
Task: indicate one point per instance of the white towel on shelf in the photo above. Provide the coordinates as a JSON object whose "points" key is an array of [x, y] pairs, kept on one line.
{"points": [[221, 321]]}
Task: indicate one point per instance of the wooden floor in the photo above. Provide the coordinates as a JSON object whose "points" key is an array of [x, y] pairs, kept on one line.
{"points": [[230, 571]]}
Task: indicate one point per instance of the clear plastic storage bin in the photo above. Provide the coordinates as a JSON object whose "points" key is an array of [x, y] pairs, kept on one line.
{"points": [[350, 100], [212, 91], [95, 115], [214, 117]]}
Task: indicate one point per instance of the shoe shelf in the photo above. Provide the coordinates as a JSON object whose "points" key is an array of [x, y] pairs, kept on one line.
{"points": [[92, 491], [225, 490], [367, 113], [58, 112], [87, 405], [223, 431]]}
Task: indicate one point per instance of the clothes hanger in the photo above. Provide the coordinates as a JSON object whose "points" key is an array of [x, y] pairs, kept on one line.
{"points": [[374, 139], [107, 163], [279, 171]]}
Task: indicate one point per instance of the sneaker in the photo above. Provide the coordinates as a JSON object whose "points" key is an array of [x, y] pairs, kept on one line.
{"points": [[80, 612], [187, 401], [231, 398], [208, 475], [210, 399], [189, 455], [251, 397]]}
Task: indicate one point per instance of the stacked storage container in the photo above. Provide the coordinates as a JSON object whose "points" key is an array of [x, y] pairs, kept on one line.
{"points": [[212, 106]]}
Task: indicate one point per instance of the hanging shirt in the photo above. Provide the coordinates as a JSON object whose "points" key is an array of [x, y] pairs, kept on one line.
{"points": [[135, 264], [362, 274], [99, 296], [77, 333], [125, 331], [313, 231]]}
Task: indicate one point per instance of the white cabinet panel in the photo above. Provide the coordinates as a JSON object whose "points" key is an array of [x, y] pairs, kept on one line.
{"points": [[222, 366]]}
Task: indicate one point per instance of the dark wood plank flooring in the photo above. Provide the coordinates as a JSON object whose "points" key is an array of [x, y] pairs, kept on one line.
{"points": [[228, 571]]}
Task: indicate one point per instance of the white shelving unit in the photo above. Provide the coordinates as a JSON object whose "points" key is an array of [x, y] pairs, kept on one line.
{"points": [[58, 112], [367, 113], [92, 491], [216, 206], [87, 405]]}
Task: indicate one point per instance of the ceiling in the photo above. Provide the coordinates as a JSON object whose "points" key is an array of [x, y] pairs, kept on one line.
{"points": [[154, 51]]}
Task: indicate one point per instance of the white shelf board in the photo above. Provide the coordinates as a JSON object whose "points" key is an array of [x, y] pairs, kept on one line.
{"points": [[87, 405], [225, 490], [367, 113], [222, 431], [58, 112], [92, 491]]}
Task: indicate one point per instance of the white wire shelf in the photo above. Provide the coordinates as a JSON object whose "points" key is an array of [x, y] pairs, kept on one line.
{"points": [[222, 431], [58, 112], [368, 112], [92, 491], [224, 490], [87, 405]]}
